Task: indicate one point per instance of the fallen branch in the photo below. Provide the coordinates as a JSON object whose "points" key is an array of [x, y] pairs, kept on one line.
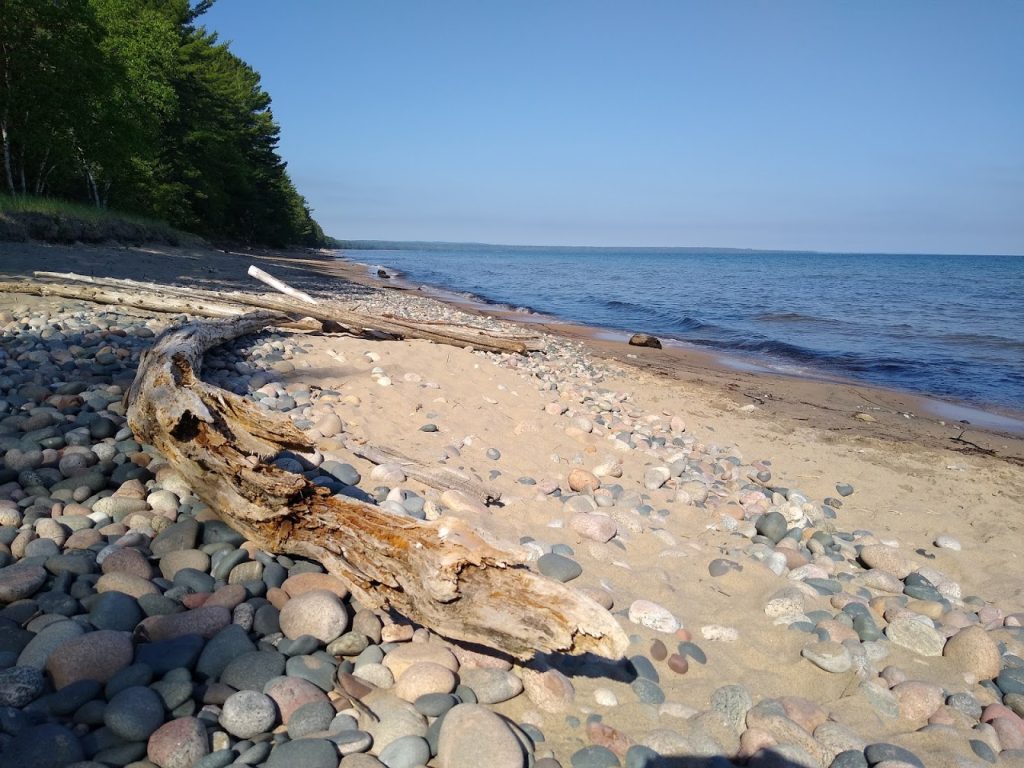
{"points": [[442, 478], [442, 574], [279, 285], [324, 311]]}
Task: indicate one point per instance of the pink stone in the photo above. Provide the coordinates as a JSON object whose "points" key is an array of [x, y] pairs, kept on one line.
{"points": [[301, 583], [178, 744], [205, 621], [290, 693], [609, 738], [594, 526], [918, 701], [550, 690], [229, 596], [1010, 734], [93, 656]]}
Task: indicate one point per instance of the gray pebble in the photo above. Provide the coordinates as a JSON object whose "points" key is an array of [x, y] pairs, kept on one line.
{"points": [[134, 713], [406, 752], [558, 567]]}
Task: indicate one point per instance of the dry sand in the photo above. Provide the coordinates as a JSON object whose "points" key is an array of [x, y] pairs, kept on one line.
{"points": [[912, 482]]}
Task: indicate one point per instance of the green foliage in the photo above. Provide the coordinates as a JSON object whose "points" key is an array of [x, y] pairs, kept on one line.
{"points": [[131, 104]]}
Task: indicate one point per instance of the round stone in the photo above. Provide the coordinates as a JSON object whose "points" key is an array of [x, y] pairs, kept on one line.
{"points": [[178, 744], [974, 651], [829, 656], [558, 567], [248, 713], [887, 559], [20, 581], [115, 610], [43, 746], [20, 685], [134, 713], [310, 718], [406, 752], [318, 613], [309, 753], [772, 526], [594, 757], [593, 526], [491, 686], [469, 732], [93, 656], [291, 693], [915, 636], [582, 480], [424, 678], [653, 616], [252, 671]]}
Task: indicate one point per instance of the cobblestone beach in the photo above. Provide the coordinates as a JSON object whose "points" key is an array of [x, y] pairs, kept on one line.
{"points": [[787, 604]]}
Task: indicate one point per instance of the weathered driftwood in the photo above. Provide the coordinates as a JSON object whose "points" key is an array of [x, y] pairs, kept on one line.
{"points": [[279, 285], [442, 574], [442, 478], [152, 301], [325, 311]]}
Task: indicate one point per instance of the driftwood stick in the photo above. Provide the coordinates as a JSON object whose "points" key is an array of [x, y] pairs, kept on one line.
{"points": [[279, 285], [442, 478], [330, 313], [152, 301], [442, 574]]}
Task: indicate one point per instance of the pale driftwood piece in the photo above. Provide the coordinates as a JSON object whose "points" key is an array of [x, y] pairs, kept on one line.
{"points": [[442, 478], [442, 574], [279, 285], [151, 301], [327, 312]]}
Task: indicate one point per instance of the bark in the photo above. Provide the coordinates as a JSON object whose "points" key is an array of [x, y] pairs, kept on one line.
{"points": [[441, 574], [5, 140]]}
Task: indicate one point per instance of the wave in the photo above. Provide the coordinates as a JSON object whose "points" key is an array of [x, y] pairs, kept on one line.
{"points": [[981, 340], [796, 317]]}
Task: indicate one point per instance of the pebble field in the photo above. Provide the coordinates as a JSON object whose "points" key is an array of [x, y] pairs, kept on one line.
{"points": [[137, 629]]}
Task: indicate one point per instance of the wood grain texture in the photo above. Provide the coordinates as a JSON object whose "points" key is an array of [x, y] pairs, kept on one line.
{"points": [[442, 574]]}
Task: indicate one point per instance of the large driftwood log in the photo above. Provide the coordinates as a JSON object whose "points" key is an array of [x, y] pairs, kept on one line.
{"points": [[325, 311], [442, 574]]}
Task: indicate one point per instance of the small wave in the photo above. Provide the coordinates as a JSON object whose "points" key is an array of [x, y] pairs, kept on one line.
{"points": [[981, 340], [796, 317]]}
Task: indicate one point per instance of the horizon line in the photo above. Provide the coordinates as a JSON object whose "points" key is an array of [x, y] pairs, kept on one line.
{"points": [[729, 249]]}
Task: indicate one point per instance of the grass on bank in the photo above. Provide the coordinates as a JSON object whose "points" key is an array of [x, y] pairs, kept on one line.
{"points": [[61, 221]]}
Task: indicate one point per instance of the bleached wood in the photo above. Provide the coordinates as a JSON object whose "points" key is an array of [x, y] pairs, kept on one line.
{"points": [[441, 574], [279, 285], [331, 313]]}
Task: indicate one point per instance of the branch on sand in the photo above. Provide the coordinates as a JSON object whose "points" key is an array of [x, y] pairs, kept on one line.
{"points": [[442, 574]]}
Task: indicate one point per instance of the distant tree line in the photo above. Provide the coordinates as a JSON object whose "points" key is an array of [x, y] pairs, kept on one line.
{"points": [[131, 104]]}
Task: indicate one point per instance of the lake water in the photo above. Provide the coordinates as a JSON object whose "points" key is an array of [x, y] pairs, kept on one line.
{"points": [[951, 326]]}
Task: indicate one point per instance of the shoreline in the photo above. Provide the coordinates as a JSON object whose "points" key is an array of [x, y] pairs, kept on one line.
{"points": [[687, 469], [828, 402]]}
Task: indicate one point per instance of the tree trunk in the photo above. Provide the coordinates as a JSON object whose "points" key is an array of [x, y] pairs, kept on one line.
{"points": [[441, 574], [5, 140]]}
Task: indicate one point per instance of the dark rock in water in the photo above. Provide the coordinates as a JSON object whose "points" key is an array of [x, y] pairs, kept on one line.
{"points": [[383, 273], [644, 340]]}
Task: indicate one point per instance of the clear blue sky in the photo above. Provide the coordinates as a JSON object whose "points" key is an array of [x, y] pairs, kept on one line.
{"points": [[871, 125]]}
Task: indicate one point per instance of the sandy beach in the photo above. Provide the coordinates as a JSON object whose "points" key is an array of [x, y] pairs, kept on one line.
{"points": [[806, 569]]}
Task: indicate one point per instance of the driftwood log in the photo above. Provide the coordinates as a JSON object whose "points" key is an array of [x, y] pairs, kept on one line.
{"points": [[206, 303], [442, 574]]}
